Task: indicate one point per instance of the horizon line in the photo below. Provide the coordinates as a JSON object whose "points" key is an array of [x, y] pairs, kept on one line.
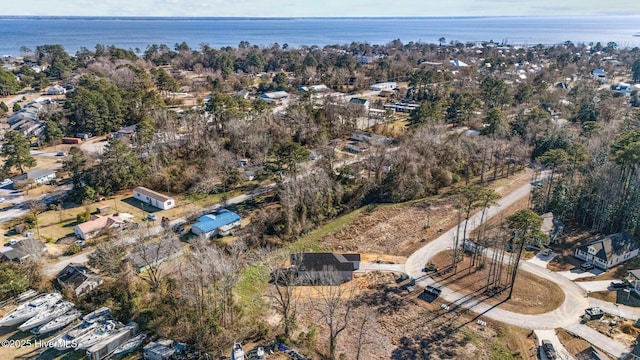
{"points": [[312, 17]]}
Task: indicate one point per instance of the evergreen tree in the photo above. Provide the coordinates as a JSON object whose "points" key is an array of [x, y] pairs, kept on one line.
{"points": [[16, 151]]}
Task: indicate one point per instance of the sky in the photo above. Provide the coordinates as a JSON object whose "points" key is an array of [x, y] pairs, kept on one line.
{"points": [[319, 8]]}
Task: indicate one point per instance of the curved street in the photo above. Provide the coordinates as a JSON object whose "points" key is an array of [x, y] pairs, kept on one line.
{"points": [[566, 316]]}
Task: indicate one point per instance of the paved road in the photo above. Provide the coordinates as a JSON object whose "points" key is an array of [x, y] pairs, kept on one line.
{"points": [[381, 267], [550, 335], [592, 286], [566, 316], [624, 311], [602, 341], [568, 313]]}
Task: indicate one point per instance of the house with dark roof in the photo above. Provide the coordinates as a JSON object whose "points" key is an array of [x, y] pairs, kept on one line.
{"points": [[609, 251], [325, 268], [599, 74], [149, 255], [78, 277], [364, 103], [222, 223], [22, 250]]}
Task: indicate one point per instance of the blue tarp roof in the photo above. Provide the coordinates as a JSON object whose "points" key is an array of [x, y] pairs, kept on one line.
{"points": [[210, 222]]}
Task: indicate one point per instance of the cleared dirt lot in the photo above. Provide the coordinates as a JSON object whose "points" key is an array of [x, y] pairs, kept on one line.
{"points": [[404, 326], [531, 294]]}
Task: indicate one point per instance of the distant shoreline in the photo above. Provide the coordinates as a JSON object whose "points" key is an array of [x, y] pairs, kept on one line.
{"points": [[138, 33]]}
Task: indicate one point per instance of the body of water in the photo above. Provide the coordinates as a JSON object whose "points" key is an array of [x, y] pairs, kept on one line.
{"points": [[138, 33]]}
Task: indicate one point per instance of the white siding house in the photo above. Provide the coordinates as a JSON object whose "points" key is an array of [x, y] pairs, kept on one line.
{"points": [[153, 198], [609, 251], [383, 86]]}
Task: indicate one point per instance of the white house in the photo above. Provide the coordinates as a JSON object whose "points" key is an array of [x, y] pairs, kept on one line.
{"points": [[98, 224], [39, 176], [609, 251], [275, 96], [56, 90], [390, 85], [153, 198]]}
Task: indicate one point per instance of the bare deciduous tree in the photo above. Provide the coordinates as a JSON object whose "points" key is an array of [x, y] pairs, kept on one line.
{"points": [[335, 305]]}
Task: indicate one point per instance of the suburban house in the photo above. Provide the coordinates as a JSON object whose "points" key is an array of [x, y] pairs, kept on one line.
{"points": [[383, 86], [634, 278], [609, 251], [98, 224], [126, 131], [315, 88], [153, 254], [326, 268], [275, 96], [39, 176], [551, 226], [153, 198], [222, 223], [78, 277], [361, 102], [56, 90], [599, 74], [22, 250]]}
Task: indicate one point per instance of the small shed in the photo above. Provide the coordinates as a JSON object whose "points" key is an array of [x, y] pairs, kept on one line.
{"points": [[103, 209]]}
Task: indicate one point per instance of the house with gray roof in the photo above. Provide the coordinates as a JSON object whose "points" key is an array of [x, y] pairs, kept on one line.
{"points": [[78, 277], [22, 250], [325, 268], [39, 176], [609, 251]]}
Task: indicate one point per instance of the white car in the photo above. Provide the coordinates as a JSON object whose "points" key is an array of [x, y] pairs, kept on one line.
{"points": [[2, 200]]}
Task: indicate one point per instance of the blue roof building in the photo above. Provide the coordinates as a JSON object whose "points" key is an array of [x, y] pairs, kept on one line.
{"points": [[223, 222]]}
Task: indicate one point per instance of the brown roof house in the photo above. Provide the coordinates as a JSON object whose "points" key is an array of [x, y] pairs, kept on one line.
{"points": [[609, 251], [78, 277], [325, 268], [98, 224]]}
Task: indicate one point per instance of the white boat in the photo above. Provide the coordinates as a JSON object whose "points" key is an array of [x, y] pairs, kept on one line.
{"points": [[70, 338], [130, 345], [97, 314], [28, 310], [58, 323], [44, 317], [107, 329], [26, 295], [237, 353]]}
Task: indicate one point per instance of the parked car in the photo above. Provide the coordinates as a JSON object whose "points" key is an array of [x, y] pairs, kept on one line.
{"points": [[61, 153], [29, 234], [586, 266], [618, 284], [430, 267], [2, 200], [546, 252], [12, 242], [549, 350], [151, 217]]}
